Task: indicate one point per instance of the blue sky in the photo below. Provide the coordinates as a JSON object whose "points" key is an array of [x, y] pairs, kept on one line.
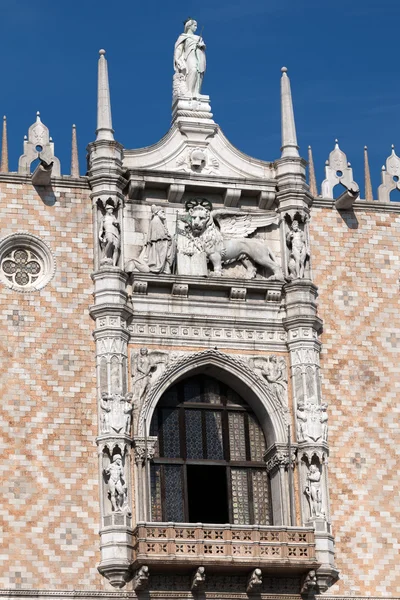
{"points": [[342, 59]]}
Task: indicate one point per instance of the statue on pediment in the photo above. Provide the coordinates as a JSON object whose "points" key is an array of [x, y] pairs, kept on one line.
{"points": [[220, 237], [189, 61]]}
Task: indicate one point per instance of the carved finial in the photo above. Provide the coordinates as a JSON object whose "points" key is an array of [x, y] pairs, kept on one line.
{"points": [[38, 116], [74, 154], [104, 129], [390, 177], [367, 177], [383, 168], [289, 137], [336, 143], [4, 148], [312, 182]]}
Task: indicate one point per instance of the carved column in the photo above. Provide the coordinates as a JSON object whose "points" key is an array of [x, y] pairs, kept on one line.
{"points": [[277, 464], [144, 449], [112, 314], [303, 327]]}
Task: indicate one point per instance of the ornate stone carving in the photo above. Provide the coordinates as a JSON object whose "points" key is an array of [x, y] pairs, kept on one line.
{"points": [[299, 251], [144, 448], [141, 579], [339, 171], [313, 491], [220, 237], [254, 582], [158, 251], [38, 145], [278, 460], [117, 487], [312, 422], [197, 160], [109, 234], [390, 177], [273, 370], [198, 579], [146, 367], [116, 413], [309, 585], [189, 61]]}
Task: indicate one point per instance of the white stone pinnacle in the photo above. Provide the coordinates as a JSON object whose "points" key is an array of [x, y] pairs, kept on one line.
{"points": [[289, 138], [104, 129]]}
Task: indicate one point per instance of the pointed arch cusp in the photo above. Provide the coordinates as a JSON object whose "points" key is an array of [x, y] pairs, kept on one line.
{"points": [[231, 371]]}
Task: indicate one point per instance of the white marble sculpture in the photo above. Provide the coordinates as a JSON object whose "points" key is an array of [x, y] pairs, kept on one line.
{"points": [[116, 413], [298, 250], [313, 491], [189, 62], [312, 422], [273, 370], [220, 237], [146, 367], [117, 488], [110, 236], [157, 255]]}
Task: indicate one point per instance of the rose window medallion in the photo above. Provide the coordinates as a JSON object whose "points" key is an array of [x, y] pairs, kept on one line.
{"points": [[21, 267], [26, 262]]}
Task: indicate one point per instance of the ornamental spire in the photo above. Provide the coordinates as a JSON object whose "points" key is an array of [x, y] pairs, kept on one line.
{"points": [[289, 138], [74, 154], [311, 173], [104, 129], [367, 177], [4, 148]]}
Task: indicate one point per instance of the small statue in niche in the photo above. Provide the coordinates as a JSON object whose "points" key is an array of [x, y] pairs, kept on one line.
{"points": [[127, 410], [189, 61], [145, 368], [109, 236], [313, 491], [299, 252], [117, 488], [106, 407], [158, 252]]}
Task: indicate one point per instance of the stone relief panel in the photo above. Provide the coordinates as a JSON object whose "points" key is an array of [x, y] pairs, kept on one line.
{"points": [[116, 413], [312, 422], [146, 367], [201, 241], [273, 371], [197, 160]]}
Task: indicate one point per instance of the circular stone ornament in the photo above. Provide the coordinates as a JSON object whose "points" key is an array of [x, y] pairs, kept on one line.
{"points": [[26, 262]]}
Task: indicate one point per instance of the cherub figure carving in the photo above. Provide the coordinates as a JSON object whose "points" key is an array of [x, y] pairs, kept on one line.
{"points": [[221, 237], [145, 368]]}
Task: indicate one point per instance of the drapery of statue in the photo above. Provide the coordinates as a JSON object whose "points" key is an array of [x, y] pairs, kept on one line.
{"points": [[189, 62]]}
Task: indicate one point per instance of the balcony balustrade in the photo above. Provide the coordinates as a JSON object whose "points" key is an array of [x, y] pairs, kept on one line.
{"points": [[186, 545]]}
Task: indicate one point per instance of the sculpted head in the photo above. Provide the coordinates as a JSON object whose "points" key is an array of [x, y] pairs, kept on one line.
{"points": [[190, 25], [199, 219], [295, 225]]}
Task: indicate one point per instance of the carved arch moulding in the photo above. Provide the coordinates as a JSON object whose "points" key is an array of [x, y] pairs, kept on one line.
{"points": [[234, 371]]}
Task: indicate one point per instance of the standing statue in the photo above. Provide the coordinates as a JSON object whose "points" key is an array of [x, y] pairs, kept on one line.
{"points": [[189, 61], [128, 409], [110, 237], [106, 406], [158, 251], [313, 491], [299, 252], [117, 488]]}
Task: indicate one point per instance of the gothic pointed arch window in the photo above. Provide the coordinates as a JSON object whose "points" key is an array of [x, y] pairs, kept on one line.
{"points": [[208, 465]]}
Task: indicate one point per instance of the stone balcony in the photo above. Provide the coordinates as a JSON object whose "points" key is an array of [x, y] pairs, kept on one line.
{"points": [[184, 545]]}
